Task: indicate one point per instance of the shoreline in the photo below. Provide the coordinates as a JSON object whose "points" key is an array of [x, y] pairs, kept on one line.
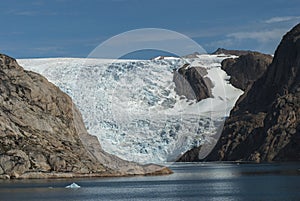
{"points": [[65, 175]]}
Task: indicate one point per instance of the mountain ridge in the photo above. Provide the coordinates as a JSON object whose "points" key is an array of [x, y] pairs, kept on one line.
{"points": [[264, 125], [42, 134]]}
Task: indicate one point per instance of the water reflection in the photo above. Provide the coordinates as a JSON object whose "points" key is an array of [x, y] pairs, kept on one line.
{"points": [[218, 182]]}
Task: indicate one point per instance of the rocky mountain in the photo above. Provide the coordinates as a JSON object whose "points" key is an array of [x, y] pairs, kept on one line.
{"points": [[42, 134], [246, 69], [264, 124]]}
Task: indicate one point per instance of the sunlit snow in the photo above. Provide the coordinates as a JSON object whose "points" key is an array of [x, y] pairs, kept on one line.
{"points": [[131, 105]]}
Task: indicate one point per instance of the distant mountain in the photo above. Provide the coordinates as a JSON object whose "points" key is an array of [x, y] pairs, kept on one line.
{"points": [[42, 134], [233, 52], [265, 123], [192, 56]]}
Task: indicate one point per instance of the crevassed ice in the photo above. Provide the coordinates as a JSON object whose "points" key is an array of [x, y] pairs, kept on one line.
{"points": [[131, 105]]}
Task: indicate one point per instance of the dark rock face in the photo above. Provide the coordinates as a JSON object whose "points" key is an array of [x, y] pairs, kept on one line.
{"points": [[265, 123], [42, 134], [191, 155], [246, 69], [191, 83]]}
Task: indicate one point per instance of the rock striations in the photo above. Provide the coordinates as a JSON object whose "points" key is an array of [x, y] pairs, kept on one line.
{"points": [[265, 123], [42, 134]]}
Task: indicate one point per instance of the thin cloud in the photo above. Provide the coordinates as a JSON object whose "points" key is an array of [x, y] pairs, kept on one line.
{"points": [[281, 19], [261, 36], [263, 41]]}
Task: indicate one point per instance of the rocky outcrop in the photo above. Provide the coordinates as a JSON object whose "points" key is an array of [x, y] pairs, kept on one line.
{"points": [[265, 123], [42, 134], [191, 155], [246, 69], [192, 83]]}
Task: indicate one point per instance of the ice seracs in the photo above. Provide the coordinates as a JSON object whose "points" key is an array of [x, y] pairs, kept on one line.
{"points": [[132, 107]]}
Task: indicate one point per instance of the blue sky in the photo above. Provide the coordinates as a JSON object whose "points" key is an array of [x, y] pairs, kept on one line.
{"points": [[73, 28]]}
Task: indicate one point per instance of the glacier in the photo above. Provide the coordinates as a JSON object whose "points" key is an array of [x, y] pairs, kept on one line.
{"points": [[132, 107]]}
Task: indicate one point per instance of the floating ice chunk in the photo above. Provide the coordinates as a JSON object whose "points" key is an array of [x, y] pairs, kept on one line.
{"points": [[73, 185]]}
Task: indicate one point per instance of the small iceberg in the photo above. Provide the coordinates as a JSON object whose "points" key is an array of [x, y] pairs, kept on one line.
{"points": [[73, 185]]}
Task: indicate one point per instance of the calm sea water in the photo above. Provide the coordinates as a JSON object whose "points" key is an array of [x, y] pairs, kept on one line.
{"points": [[190, 181]]}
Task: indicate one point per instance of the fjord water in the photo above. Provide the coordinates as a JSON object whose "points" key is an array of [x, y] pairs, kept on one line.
{"points": [[190, 181]]}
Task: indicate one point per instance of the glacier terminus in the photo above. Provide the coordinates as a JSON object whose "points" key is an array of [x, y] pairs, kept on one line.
{"points": [[132, 106]]}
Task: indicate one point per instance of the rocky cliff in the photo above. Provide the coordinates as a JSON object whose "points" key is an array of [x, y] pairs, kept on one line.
{"points": [[42, 134], [246, 69], [265, 123]]}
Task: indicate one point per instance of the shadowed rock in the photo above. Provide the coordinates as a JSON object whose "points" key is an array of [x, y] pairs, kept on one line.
{"points": [[246, 69], [265, 122], [191, 155], [264, 125], [191, 83]]}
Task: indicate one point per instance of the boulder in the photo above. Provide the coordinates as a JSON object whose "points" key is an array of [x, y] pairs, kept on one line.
{"points": [[246, 69], [191, 83]]}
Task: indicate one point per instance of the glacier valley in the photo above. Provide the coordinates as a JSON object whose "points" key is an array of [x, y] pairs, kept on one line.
{"points": [[132, 106]]}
